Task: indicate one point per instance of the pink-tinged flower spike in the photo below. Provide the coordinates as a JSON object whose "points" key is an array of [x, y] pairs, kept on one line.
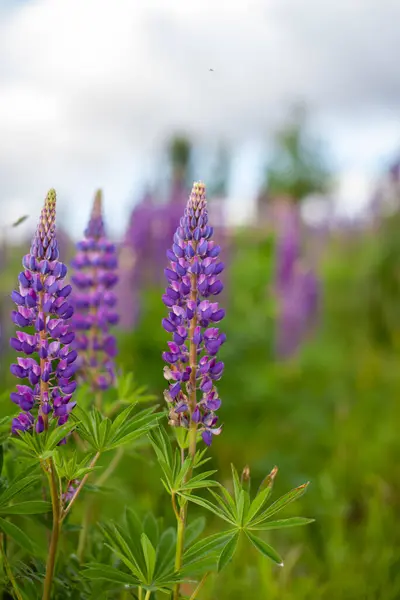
{"points": [[41, 302], [94, 303], [193, 280]]}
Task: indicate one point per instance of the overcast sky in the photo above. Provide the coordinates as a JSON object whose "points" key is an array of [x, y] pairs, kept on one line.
{"points": [[89, 89]]}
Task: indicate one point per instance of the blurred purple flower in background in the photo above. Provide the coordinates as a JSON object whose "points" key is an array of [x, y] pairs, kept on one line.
{"points": [[151, 227], [192, 279], [41, 303], [297, 287], [94, 301]]}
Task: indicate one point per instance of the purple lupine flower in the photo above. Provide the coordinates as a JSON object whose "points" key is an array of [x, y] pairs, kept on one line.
{"points": [[94, 301], [41, 302], [193, 280]]}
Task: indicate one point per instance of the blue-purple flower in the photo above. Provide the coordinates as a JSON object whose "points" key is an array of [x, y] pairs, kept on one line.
{"points": [[48, 361], [193, 282], [94, 302]]}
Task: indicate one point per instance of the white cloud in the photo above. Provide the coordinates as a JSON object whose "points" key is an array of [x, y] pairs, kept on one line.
{"points": [[89, 89]]}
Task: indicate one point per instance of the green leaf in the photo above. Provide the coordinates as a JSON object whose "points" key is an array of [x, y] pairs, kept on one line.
{"points": [[16, 488], [279, 504], [181, 435], [17, 535], [55, 437], [149, 556], [166, 552], [209, 506], [31, 507], [282, 523], [150, 528], [264, 548], [205, 552], [257, 504], [236, 484], [108, 573], [240, 507], [193, 530], [228, 551]]}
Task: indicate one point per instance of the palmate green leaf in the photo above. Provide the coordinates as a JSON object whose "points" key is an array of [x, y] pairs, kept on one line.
{"points": [[54, 435], [264, 548], [279, 504], [30, 507], [107, 573], [228, 509], [103, 434], [228, 551], [149, 556], [129, 430], [17, 535], [282, 523], [204, 554], [123, 547], [209, 506], [29, 443]]}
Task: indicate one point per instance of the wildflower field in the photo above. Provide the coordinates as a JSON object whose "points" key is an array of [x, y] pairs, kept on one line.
{"points": [[192, 412]]}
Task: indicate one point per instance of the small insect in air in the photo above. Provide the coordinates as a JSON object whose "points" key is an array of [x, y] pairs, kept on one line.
{"points": [[20, 220], [211, 69]]}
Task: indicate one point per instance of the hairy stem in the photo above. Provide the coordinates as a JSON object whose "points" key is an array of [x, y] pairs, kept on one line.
{"points": [[89, 506], [55, 534]]}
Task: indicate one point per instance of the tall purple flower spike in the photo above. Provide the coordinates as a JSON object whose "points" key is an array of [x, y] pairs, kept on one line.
{"points": [[192, 277], [94, 302], [49, 361], [297, 287]]}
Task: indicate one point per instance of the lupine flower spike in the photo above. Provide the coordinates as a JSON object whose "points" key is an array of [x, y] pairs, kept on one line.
{"points": [[95, 275], [192, 355], [49, 361]]}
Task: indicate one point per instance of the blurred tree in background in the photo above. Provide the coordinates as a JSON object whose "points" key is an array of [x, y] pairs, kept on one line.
{"points": [[297, 168]]}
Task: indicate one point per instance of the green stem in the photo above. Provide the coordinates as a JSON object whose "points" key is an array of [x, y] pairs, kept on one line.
{"points": [[9, 571], [199, 587], [55, 534], [147, 596], [80, 486], [140, 593], [89, 506]]}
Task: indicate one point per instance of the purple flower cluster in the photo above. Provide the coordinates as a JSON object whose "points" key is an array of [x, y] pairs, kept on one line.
{"points": [[94, 302], [42, 306], [192, 355]]}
